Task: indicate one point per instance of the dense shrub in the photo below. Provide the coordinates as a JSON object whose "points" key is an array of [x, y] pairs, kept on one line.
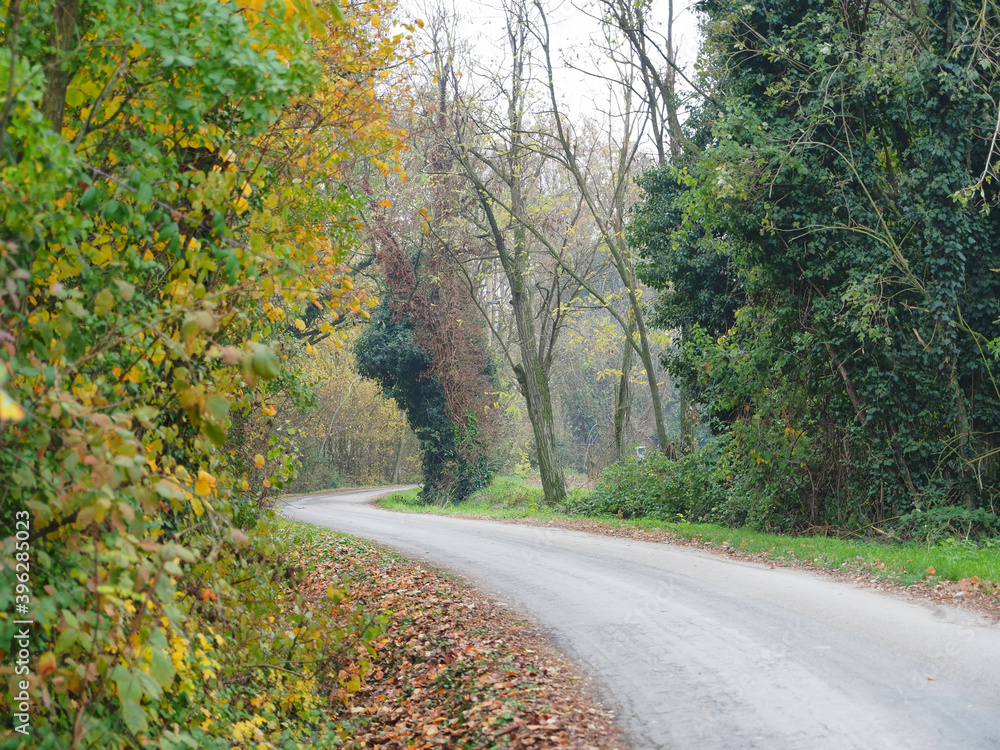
{"points": [[657, 486], [940, 523], [510, 492]]}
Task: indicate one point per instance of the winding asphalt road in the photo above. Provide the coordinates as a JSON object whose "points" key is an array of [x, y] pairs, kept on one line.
{"points": [[704, 653]]}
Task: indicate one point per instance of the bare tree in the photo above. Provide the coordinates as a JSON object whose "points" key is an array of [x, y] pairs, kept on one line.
{"points": [[535, 231]]}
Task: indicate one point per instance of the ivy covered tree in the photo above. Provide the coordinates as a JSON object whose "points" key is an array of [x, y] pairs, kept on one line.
{"points": [[850, 181], [691, 269], [388, 353]]}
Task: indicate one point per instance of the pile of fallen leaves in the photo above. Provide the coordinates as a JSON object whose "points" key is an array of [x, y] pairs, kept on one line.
{"points": [[446, 666]]}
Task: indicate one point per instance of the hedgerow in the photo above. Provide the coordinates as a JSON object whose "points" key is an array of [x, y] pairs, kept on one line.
{"points": [[166, 230]]}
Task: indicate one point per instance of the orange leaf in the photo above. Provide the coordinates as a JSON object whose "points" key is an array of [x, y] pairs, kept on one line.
{"points": [[47, 663]]}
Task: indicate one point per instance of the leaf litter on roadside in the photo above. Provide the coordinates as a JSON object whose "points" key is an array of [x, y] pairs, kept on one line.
{"points": [[443, 665]]}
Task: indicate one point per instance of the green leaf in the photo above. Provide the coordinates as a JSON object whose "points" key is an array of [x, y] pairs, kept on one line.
{"points": [[66, 639], [168, 489], [76, 309], [89, 199], [150, 686], [218, 406], [129, 687], [161, 667], [214, 433], [135, 717], [146, 415], [265, 362]]}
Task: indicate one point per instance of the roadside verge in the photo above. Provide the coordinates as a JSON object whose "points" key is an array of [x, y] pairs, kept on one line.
{"points": [[443, 665]]}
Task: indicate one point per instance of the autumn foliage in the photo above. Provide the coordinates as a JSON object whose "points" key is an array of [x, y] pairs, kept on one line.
{"points": [[171, 216]]}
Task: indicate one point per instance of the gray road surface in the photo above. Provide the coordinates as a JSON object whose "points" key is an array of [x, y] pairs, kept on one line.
{"points": [[699, 652]]}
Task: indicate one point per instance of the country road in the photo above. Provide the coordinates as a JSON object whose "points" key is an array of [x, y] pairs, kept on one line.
{"points": [[700, 652]]}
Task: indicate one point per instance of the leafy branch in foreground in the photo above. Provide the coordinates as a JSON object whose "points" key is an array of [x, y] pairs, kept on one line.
{"points": [[168, 220]]}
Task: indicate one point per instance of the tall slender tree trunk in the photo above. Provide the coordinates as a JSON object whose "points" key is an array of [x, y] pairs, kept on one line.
{"points": [[623, 397], [533, 377], [688, 437], [399, 456]]}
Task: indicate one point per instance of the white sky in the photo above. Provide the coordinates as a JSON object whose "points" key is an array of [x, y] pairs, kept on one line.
{"points": [[573, 31]]}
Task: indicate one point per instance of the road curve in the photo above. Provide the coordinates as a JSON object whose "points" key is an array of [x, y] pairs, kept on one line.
{"points": [[702, 652]]}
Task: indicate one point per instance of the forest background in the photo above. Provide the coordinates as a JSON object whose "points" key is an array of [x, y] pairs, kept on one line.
{"points": [[232, 229]]}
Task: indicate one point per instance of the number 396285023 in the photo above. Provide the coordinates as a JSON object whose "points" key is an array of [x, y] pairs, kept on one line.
{"points": [[22, 567]]}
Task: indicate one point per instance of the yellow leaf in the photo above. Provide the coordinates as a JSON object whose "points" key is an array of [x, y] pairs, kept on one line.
{"points": [[204, 484], [259, 461], [104, 302], [376, 21], [244, 484], [10, 410], [300, 324]]}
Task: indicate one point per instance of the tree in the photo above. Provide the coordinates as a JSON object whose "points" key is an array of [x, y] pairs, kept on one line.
{"points": [[534, 245], [652, 55], [388, 353], [609, 214], [850, 176]]}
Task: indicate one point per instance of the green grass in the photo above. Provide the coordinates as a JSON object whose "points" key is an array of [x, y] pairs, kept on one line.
{"points": [[512, 497], [906, 562], [505, 498]]}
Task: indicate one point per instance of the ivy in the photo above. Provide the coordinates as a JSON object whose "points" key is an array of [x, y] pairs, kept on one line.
{"points": [[847, 189]]}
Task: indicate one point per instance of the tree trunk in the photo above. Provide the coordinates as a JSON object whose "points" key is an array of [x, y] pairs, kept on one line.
{"points": [[623, 396], [532, 376], [56, 77], [535, 387], [687, 424], [688, 439], [399, 456]]}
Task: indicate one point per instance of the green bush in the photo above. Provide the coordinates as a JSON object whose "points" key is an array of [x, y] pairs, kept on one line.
{"points": [[509, 492], [945, 523], [656, 486]]}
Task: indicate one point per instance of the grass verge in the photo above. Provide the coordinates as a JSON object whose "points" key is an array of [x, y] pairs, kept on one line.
{"points": [[906, 563]]}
